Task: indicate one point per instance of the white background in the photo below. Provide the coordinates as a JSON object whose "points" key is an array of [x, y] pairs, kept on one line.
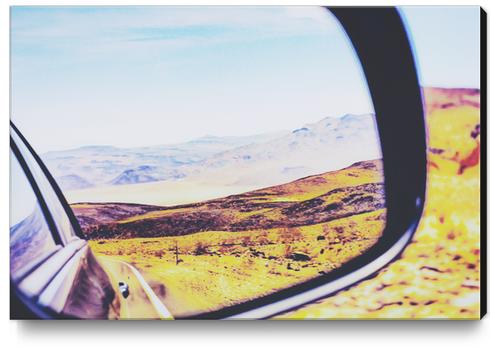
{"points": [[281, 334]]}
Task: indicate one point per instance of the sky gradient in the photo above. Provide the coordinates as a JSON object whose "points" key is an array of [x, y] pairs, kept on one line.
{"points": [[136, 76]]}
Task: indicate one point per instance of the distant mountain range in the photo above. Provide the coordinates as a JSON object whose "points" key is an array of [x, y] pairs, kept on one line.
{"points": [[91, 166], [260, 160]]}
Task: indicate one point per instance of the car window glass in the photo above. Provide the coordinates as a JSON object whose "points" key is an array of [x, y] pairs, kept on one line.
{"points": [[61, 219], [30, 237]]}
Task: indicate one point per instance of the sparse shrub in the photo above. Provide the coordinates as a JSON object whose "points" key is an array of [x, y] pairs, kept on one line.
{"points": [[284, 235], [247, 241], [290, 235], [200, 249], [227, 242], [223, 249], [133, 250], [296, 234], [288, 250], [263, 240], [299, 256], [159, 253]]}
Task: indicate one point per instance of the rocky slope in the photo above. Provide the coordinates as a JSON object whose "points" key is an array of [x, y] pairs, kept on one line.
{"points": [[439, 274], [316, 199]]}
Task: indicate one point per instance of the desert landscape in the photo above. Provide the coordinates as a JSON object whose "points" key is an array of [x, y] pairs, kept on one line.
{"points": [[203, 252], [438, 275], [212, 167], [208, 255], [220, 220]]}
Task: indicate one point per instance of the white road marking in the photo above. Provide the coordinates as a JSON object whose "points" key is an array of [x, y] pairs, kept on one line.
{"points": [[162, 311]]}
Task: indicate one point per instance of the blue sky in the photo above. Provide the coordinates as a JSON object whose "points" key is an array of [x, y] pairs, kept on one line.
{"points": [[447, 44], [150, 75]]}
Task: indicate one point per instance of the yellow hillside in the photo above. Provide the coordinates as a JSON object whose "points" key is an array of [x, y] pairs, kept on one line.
{"points": [[438, 275], [264, 240], [253, 250]]}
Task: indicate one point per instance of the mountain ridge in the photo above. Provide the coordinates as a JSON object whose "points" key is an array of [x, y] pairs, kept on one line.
{"points": [[252, 161], [310, 200]]}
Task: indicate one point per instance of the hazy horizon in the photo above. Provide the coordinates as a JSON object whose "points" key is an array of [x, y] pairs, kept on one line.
{"points": [[144, 76], [204, 136]]}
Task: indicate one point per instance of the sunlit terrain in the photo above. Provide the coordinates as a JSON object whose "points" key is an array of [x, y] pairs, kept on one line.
{"points": [[212, 254], [438, 275], [215, 156], [229, 250]]}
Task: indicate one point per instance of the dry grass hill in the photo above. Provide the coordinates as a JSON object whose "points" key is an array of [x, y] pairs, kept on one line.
{"points": [[215, 253]]}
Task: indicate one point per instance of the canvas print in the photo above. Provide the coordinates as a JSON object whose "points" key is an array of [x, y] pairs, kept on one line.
{"points": [[245, 162]]}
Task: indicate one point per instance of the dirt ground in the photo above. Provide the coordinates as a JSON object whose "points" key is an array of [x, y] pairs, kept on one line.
{"points": [[438, 275]]}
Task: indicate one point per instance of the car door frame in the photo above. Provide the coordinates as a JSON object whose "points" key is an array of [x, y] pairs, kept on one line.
{"points": [[38, 275]]}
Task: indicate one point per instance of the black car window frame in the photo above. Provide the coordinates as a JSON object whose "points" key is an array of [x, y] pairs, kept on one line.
{"points": [[58, 195], [32, 265], [26, 288], [37, 192]]}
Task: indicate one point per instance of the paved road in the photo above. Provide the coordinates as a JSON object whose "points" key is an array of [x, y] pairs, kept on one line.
{"points": [[142, 302]]}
